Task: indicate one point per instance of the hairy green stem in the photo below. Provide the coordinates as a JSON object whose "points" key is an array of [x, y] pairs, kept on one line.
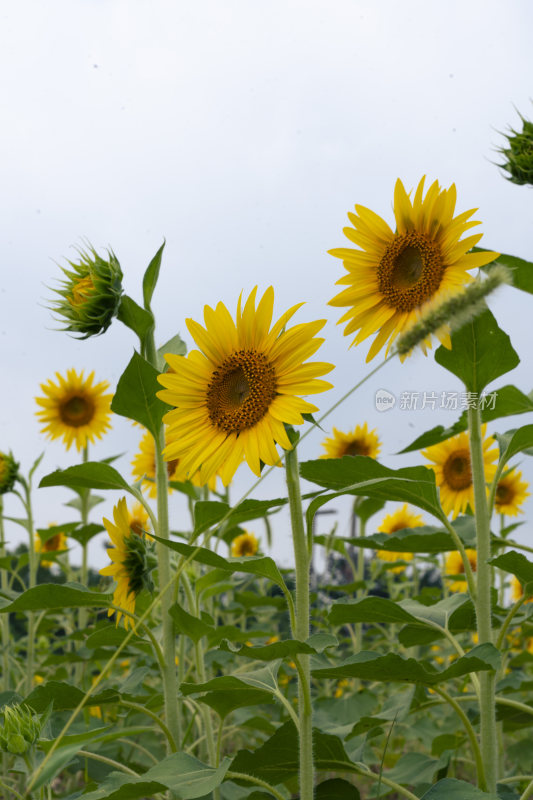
{"points": [[302, 558], [6, 681], [470, 733], [487, 705], [32, 564], [360, 577], [242, 776]]}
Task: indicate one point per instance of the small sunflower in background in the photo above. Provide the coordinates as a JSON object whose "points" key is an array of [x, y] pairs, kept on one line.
{"points": [[57, 543], [246, 544], [144, 467], [453, 470], [396, 276], [398, 521], [517, 590], [359, 442], [138, 519], [75, 409], [454, 566], [232, 397], [511, 492], [8, 472], [131, 564]]}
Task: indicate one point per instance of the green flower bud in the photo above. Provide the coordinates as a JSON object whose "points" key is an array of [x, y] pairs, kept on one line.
{"points": [[89, 297], [519, 154], [8, 472], [20, 730]]}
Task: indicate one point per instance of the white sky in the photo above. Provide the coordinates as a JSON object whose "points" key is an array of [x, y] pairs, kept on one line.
{"points": [[243, 132]]}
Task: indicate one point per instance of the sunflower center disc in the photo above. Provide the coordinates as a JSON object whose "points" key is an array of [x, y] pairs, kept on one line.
{"points": [[171, 467], [77, 411], [357, 448], [53, 543], [503, 494], [457, 470], [410, 271], [241, 391]]}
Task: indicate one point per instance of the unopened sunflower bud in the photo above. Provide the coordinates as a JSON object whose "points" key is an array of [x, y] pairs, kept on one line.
{"points": [[8, 472], [456, 311], [519, 154], [20, 730], [89, 296]]}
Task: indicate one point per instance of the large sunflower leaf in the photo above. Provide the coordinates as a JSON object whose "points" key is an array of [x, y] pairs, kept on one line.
{"points": [[56, 595], [362, 475], [264, 679], [135, 396], [452, 789], [425, 539], [393, 667], [336, 789], [522, 270], [209, 512], [480, 353], [515, 563], [508, 401], [91, 475]]}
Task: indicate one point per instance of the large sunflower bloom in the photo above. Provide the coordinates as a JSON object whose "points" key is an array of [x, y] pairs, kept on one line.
{"points": [[359, 442], [455, 566], [393, 277], [233, 396], [401, 519], [511, 492], [453, 470], [130, 568], [75, 409]]}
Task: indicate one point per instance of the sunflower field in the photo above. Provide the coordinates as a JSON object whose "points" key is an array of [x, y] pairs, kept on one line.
{"points": [[193, 665]]}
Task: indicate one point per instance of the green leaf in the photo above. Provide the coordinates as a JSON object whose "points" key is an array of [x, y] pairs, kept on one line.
{"points": [[229, 700], [336, 789], [56, 595], [201, 554], [393, 667], [271, 652], [175, 345], [179, 772], [509, 402], [135, 397], [151, 275], [480, 352], [362, 475], [415, 768], [276, 761], [425, 539], [92, 475], [85, 533], [136, 318], [452, 789], [368, 507], [369, 609], [264, 678], [109, 636], [515, 441], [65, 697], [93, 501], [188, 625], [53, 530], [515, 563], [207, 513], [522, 271]]}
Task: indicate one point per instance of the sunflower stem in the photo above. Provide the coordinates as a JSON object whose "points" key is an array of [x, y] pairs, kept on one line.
{"points": [[302, 559], [360, 577], [489, 743], [5, 617], [32, 565], [84, 513]]}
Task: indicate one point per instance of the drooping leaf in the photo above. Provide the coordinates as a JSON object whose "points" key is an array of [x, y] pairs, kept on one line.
{"points": [[480, 353], [56, 596], [515, 441], [151, 276], [515, 563], [272, 652], [175, 345], [508, 402], [189, 625], [396, 668], [207, 513], [264, 678], [65, 696], [135, 396], [522, 270], [369, 609], [135, 317], [91, 475], [425, 539]]}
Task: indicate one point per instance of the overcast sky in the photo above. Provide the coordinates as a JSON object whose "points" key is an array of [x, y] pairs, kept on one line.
{"points": [[242, 132]]}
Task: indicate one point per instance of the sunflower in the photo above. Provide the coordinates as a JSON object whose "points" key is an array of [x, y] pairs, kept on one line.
{"points": [[144, 467], [517, 590], [454, 473], [359, 442], [131, 562], [511, 492], [394, 277], [8, 472], [138, 519], [244, 545], [232, 397], [455, 566], [57, 543], [75, 409], [402, 518]]}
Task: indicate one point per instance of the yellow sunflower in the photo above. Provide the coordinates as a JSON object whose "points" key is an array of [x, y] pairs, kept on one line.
{"points": [[232, 397], [517, 590], [54, 544], [402, 518], [359, 442], [130, 568], [454, 566], [244, 545], [511, 492], [138, 519], [144, 467], [453, 471], [395, 276], [75, 409]]}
